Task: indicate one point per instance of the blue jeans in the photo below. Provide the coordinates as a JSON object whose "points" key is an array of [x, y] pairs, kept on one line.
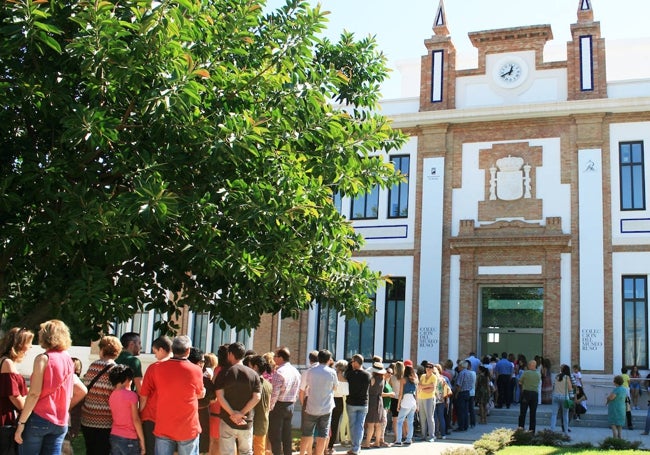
{"points": [[408, 414], [42, 436], [647, 422], [166, 446], [441, 428], [124, 446], [558, 404], [357, 417]]}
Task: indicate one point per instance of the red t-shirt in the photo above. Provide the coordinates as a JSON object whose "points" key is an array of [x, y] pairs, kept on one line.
{"points": [[149, 411], [177, 384]]}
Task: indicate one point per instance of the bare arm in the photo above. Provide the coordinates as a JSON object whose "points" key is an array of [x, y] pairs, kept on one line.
{"points": [[138, 384], [36, 386], [8, 366], [79, 391], [137, 423]]}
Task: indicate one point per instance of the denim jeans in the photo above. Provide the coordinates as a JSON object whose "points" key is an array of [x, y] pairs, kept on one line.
{"points": [[231, 440], [408, 414], [441, 425], [356, 417], [558, 406], [42, 436], [166, 446], [124, 446]]}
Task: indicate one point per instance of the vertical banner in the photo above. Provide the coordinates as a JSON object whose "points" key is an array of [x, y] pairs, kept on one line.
{"points": [[592, 279], [433, 180]]}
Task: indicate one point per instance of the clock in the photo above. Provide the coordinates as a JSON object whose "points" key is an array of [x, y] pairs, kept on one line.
{"points": [[510, 72]]}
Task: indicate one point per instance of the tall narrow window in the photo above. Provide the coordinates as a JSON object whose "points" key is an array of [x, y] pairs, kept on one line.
{"points": [[220, 336], [635, 321], [139, 323], [326, 331], [632, 176], [394, 320], [337, 200], [398, 196], [360, 336], [366, 206], [200, 323]]}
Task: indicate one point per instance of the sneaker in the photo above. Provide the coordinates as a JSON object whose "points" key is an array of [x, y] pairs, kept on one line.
{"points": [[431, 440], [397, 444]]}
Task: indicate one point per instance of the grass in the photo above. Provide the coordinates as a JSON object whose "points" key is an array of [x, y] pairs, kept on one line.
{"points": [[546, 450]]}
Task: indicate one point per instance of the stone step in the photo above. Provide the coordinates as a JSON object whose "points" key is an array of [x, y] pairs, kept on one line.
{"points": [[596, 417]]}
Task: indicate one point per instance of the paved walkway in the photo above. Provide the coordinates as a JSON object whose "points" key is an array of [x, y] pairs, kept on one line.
{"points": [[467, 438]]}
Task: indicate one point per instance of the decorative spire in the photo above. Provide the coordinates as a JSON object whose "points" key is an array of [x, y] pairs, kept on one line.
{"points": [[440, 22], [585, 12]]}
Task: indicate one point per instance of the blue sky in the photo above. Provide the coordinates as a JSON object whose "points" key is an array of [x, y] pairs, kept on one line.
{"points": [[401, 27]]}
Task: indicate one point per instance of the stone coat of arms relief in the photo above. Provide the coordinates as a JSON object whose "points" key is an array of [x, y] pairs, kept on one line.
{"points": [[509, 182], [510, 179]]}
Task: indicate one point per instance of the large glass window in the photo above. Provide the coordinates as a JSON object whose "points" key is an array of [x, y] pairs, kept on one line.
{"points": [[516, 307], [632, 176], [394, 320], [398, 196], [366, 206], [326, 331], [635, 321], [360, 336]]}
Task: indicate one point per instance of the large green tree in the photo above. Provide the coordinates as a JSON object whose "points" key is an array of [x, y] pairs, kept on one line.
{"points": [[161, 154]]}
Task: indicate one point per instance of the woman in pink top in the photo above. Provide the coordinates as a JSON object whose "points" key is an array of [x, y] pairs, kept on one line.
{"points": [[43, 422], [127, 437]]}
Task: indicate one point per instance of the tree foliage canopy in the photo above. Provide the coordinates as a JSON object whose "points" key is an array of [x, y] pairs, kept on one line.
{"points": [[162, 154]]}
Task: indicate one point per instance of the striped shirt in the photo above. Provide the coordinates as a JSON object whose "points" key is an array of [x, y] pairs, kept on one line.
{"points": [[95, 410], [286, 384]]}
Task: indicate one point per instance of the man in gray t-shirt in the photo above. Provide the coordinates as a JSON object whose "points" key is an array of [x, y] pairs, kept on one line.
{"points": [[320, 383]]}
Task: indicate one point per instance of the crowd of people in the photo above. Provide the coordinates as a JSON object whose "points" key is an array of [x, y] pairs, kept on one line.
{"points": [[189, 402]]}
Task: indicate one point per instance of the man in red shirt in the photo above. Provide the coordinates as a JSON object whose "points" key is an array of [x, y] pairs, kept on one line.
{"points": [[178, 385]]}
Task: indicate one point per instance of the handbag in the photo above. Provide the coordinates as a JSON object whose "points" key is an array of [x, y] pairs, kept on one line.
{"points": [[568, 401], [7, 444]]}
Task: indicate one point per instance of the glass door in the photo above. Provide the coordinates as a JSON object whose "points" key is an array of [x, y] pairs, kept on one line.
{"points": [[512, 320]]}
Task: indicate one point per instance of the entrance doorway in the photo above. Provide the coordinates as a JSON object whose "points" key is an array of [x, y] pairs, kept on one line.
{"points": [[512, 320]]}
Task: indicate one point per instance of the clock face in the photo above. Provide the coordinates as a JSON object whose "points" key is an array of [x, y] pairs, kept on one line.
{"points": [[510, 72]]}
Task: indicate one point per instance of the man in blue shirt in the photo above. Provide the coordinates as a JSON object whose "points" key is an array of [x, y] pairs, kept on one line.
{"points": [[503, 370]]}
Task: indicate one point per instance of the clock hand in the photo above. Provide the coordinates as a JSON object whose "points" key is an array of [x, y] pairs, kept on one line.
{"points": [[509, 72]]}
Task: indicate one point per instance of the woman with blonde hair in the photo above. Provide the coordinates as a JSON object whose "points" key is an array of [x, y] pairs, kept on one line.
{"points": [[96, 418], [13, 388], [54, 387]]}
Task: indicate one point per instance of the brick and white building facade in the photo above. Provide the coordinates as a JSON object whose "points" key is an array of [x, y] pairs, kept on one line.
{"points": [[523, 226]]}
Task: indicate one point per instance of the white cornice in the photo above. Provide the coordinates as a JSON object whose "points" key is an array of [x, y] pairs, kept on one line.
{"points": [[522, 111]]}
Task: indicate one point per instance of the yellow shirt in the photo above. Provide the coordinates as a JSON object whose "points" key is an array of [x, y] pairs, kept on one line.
{"points": [[424, 380], [626, 380]]}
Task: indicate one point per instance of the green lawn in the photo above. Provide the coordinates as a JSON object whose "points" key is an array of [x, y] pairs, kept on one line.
{"points": [[546, 450]]}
